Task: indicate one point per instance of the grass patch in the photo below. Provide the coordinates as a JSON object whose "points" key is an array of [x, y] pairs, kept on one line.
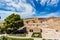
{"points": [[47, 39], [37, 35], [8, 38], [21, 39], [20, 35], [0, 38]]}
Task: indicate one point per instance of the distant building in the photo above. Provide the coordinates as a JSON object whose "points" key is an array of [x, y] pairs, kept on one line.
{"points": [[36, 24]]}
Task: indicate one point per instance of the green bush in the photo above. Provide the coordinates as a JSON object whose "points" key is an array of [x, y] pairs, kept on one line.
{"points": [[44, 39], [37, 34], [4, 38]]}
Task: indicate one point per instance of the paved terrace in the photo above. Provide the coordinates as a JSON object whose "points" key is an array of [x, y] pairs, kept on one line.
{"points": [[50, 33]]}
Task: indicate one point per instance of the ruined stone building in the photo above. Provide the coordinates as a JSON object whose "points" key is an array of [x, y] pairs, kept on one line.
{"points": [[37, 24]]}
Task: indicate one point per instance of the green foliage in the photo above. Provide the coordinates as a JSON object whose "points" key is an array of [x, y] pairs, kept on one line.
{"points": [[37, 35], [44, 39], [0, 28], [12, 22], [4, 38]]}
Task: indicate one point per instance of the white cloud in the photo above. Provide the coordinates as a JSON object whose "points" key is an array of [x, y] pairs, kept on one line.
{"points": [[55, 14], [53, 2], [24, 9], [26, 14], [15, 5], [49, 2], [8, 0], [43, 2], [4, 14], [51, 15]]}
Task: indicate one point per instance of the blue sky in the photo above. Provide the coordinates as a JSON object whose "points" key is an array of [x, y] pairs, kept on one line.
{"points": [[30, 8]]}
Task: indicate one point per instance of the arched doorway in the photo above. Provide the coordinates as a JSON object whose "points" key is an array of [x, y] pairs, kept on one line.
{"points": [[40, 30], [31, 30]]}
